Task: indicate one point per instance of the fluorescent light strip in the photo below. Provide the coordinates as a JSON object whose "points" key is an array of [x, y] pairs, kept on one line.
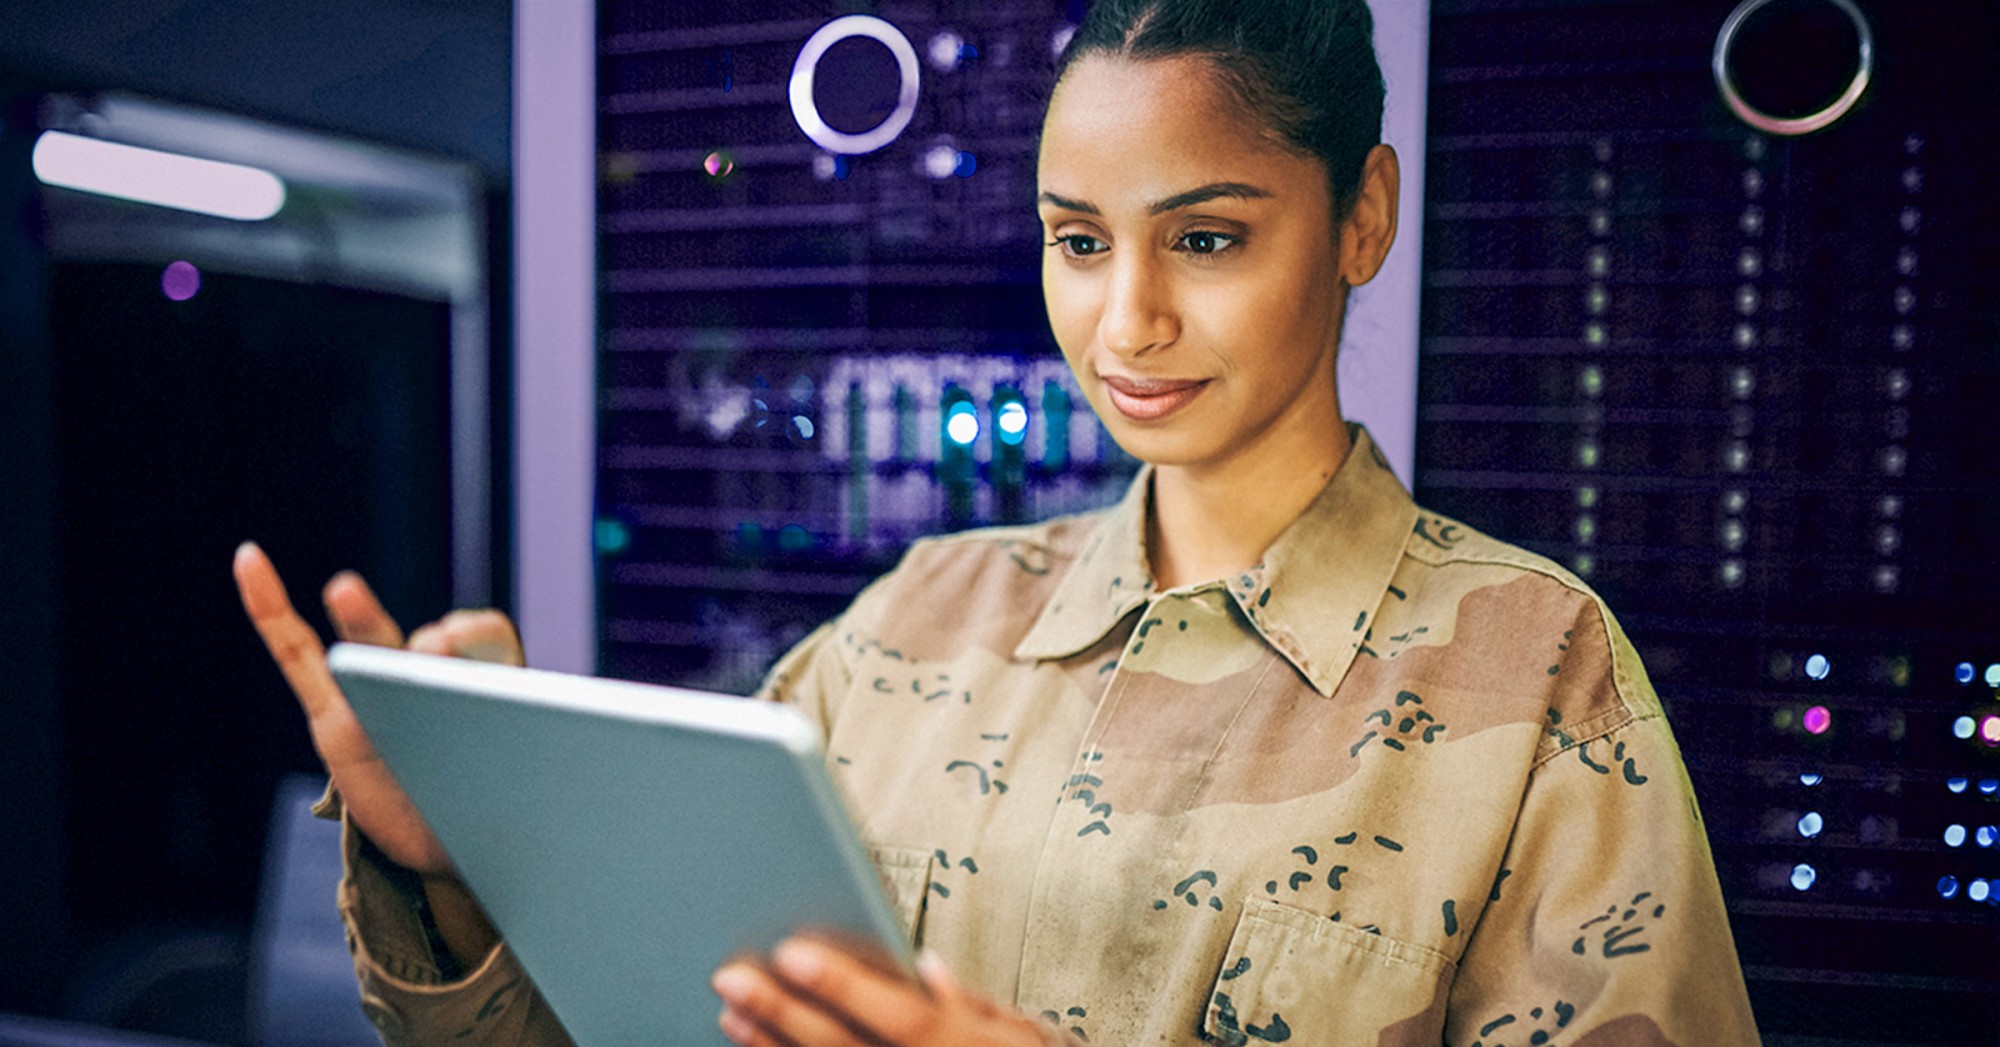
{"points": [[150, 176]]}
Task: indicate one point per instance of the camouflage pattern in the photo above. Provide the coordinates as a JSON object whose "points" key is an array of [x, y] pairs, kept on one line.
{"points": [[1398, 784]]}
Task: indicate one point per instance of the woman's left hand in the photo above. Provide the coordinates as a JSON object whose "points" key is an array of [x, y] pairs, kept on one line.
{"points": [[813, 995]]}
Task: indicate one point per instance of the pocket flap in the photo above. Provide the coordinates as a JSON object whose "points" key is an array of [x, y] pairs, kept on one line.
{"points": [[906, 879], [1291, 973]]}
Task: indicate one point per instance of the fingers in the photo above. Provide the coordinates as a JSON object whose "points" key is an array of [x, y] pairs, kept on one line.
{"points": [[886, 1008], [486, 636], [292, 642], [358, 617], [760, 1010]]}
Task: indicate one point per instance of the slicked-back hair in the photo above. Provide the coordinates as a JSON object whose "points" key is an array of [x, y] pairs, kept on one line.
{"points": [[1306, 69]]}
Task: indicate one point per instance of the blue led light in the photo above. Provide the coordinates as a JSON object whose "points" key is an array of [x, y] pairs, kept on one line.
{"points": [[1993, 675], [803, 426], [1947, 886], [1956, 785], [1966, 672], [612, 537], [1818, 667], [1962, 727], [1803, 876], [1810, 779], [1810, 824], [1954, 835], [961, 423], [1989, 786], [1978, 890], [1012, 423], [1987, 836]]}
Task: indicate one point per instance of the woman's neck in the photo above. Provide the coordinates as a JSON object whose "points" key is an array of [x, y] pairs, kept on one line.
{"points": [[1217, 521]]}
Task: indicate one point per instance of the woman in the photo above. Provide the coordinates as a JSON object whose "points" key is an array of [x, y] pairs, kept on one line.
{"points": [[1264, 753]]}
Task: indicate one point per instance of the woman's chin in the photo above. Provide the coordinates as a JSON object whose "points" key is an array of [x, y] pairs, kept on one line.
{"points": [[1161, 447]]}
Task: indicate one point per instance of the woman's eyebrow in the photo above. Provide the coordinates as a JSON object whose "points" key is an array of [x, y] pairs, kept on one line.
{"points": [[1212, 191], [1068, 204]]}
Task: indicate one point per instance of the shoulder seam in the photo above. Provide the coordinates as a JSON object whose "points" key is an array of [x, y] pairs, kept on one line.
{"points": [[1528, 562], [1598, 728]]}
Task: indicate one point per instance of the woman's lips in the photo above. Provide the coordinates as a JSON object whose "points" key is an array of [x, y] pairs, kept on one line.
{"points": [[1150, 399]]}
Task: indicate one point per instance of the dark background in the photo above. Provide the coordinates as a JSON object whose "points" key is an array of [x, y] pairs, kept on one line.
{"points": [[141, 439]]}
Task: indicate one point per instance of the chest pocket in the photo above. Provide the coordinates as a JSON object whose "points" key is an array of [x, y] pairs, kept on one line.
{"points": [[906, 879], [1292, 976]]}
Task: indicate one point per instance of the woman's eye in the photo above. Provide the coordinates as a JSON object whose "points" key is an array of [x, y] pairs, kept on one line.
{"points": [[1077, 245], [1204, 242]]}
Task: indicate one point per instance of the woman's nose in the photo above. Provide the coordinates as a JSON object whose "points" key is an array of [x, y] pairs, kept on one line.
{"points": [[1138, 310]]}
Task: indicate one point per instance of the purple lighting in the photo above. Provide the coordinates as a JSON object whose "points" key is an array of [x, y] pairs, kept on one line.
{"points": [[1818, 720], [180, 281]]}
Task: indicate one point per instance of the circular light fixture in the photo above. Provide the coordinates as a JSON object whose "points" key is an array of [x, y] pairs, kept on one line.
{"points": [[1762, 121], [806, 111]]}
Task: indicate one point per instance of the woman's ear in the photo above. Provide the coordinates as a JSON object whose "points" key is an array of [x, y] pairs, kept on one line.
{"points": [[1371, 225]]}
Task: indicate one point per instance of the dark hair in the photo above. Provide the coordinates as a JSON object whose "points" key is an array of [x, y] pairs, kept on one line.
{"points": [[1306, 68]]}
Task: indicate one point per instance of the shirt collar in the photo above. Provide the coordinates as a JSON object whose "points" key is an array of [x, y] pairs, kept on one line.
{"points": [[1312, 598]]}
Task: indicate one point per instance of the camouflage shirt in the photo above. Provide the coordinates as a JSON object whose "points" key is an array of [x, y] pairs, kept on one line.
{"points": [[1399, 783]]}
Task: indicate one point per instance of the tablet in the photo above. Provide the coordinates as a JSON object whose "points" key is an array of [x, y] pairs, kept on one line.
{"points": [[625, 839]]}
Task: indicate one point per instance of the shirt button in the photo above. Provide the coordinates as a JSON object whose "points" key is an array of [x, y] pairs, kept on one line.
{"points": [[382, 1016]]}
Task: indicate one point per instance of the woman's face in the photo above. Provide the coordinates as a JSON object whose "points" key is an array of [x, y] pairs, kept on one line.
{"points": [[1193, 277]]}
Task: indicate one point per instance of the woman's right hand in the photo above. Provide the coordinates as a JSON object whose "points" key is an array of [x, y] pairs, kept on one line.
{"points": [[376, 804]]}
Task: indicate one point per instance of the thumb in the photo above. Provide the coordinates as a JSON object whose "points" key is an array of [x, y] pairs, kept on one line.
{"points": [[358, 617]]}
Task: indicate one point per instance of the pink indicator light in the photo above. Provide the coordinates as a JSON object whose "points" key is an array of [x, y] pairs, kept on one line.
{"points": [[1989, 730], [180, 281], [718, 164], [1818, 720]]}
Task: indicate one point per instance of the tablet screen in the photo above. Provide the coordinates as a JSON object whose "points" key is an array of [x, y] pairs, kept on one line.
{"points": [[625, 839]]}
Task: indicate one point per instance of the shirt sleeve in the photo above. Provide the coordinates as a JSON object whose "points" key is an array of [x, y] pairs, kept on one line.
{"points": [[1606, 923], [404, 993], [811, 675]]}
